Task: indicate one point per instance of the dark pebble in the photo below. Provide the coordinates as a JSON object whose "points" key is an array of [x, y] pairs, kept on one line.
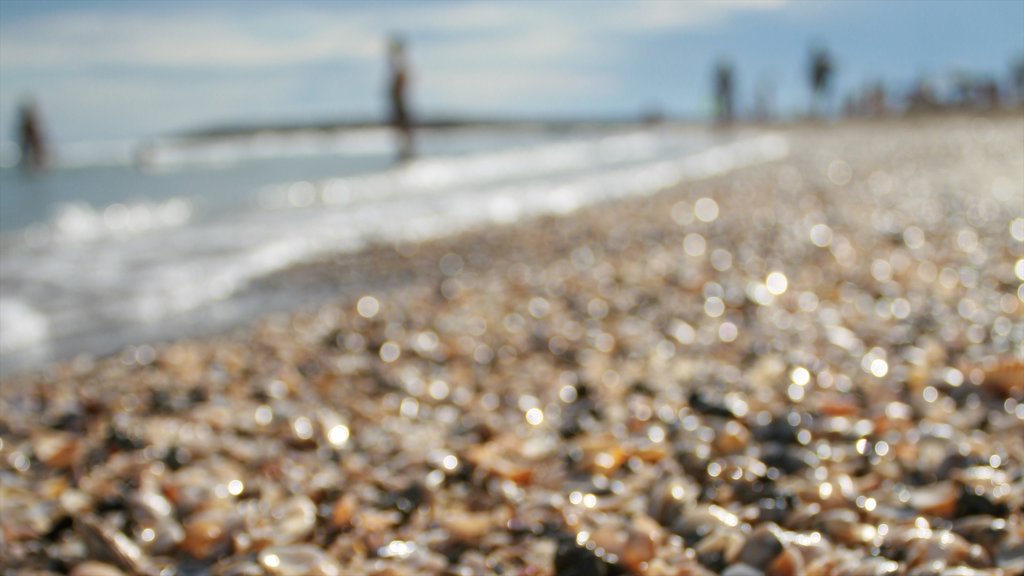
{"points": [[573, 560], [761, 548]]}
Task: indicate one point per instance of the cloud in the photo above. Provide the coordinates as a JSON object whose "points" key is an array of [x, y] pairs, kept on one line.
{"points": [[658, 15], [190, 40], [278, 35], [498, 92], [637, 16]]}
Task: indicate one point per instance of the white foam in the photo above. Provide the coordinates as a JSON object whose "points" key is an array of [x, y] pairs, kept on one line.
{"points": [[78, 222], [428, 175], [180, 154], [21, 326]]}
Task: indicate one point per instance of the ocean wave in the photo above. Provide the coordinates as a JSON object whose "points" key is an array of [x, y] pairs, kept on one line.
{"points": [[443, 173], [21, 326], [181, 266], [79, 223]]}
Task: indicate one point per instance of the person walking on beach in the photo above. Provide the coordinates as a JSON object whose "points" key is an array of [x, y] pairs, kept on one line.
{"points": [[723, 93], [400, 119], [30, 137], [821, 78]]}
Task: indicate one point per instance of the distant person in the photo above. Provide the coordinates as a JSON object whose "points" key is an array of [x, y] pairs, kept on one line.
{"points": [[1017, 78], [31, 138], [723, 93], [763, 100], [821, 79], [922, 97], [875, 100], [987, 94], [400, 119]]}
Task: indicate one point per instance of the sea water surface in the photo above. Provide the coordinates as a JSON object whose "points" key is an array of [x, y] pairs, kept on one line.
{"points": [[104, 251]]}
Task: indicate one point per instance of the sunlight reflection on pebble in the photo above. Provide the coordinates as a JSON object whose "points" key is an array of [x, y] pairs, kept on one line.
{"points": [[367, 306], [706, 210], [777, 283]]}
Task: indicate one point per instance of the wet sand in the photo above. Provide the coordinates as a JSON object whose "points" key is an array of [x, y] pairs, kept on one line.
{"points": [[809, 367]]}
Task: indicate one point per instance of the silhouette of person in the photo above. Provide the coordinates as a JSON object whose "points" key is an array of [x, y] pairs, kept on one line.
{"points": [[821, 78], [30, 137], [724, 93], [1017, 77], [764, 100], [400, 118]]}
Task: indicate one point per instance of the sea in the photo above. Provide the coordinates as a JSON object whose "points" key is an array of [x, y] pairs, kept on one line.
{"points": [[122, 243]]}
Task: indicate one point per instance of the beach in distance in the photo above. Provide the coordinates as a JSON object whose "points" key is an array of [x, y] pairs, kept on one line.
{"points": [[660, 350]]}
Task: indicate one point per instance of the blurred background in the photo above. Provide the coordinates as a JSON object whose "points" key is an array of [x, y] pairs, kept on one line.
{"points": [[114, 69], [158, 157]]}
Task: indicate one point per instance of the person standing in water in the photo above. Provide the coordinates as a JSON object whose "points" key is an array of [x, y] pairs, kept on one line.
{"points": [[398, 89], [723, 93], [30, 138], [821, 81]]}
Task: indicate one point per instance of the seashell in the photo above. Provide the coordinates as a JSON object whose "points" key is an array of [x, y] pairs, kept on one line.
{"points": [[720, 548], [155, 524], [208, 533], [836, 405], [762, 547], [343, 510], [499, 457], [293, 519], [638, 550], [92, 568], [670, 497], [25, 518], [925, 548], [868, 567], [987, 531], [608, 541], [731, 437], [1010, 554], [297, 560], [237, 567], [573, 560], [603, 454], [984, 490], [702, 520], [56, 450], [788, 563], [936, 499], [205, 484], [470, 527], [968, 571], [1006, 379], [111, 545], [742, 570]]}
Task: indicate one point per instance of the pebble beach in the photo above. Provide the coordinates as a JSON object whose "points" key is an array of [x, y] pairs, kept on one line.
{"points": [[808, 367]]}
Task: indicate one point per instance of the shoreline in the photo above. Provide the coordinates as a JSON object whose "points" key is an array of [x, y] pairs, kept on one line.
{"points": [[257, 294], [739, 374]]}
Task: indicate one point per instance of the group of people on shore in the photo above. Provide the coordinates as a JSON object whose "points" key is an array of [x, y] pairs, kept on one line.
{"points": [[35, 152], [968, 91], [820, 76]]}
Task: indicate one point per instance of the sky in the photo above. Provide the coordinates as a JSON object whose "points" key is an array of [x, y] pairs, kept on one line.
{"points": [[120, 69]]}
